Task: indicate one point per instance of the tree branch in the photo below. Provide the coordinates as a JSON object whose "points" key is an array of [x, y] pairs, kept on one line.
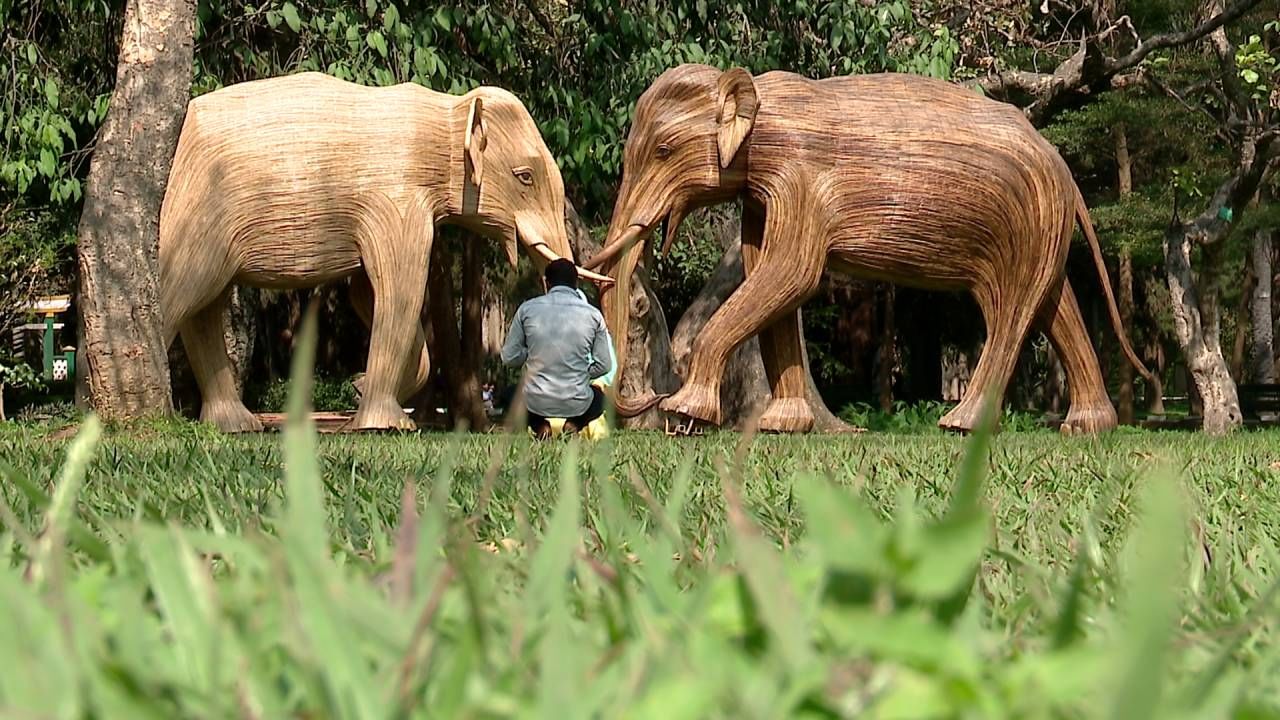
{"points": [[540, 17], [1180, 98], [1168, 40], [1088, 71], [1256, 161]]}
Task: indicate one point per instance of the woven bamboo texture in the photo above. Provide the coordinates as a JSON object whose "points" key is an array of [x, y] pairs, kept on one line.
{"points": [[892, 177], [296, 181]]}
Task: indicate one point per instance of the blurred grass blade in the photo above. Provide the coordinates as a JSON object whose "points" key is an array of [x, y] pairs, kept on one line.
{"points": [[337, 653], [184, 594], [78, 533], [761, 567], [39, 679], [61, 511], [1066, 628], [967, 492], [549, 571], [304, 507], [1149, 610]]}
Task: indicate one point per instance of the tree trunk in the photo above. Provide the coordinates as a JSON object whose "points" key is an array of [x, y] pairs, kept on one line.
{"points": [[1154, 357], [1056, 392], [239, 330], [886, 353], [744, 391], [125, 353], [649, 364], [493, 321], [1124, 177], [472, 326], [1124, 411], [1262, 366], [1242, 326], [466, 406], [1197, 325]]}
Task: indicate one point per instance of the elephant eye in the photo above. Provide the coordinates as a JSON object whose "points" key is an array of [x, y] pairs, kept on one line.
{"points": [[663, 151], [524, 175]]}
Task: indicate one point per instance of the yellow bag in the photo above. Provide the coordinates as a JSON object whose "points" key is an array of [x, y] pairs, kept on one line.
{"points": [[597, 429]]}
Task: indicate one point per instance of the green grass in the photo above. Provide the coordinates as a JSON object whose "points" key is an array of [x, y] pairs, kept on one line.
{"points": [[619, 621], [164, 570]]}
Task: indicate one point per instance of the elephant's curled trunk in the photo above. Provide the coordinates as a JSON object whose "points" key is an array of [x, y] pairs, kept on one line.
{"points": [[617, 316]]}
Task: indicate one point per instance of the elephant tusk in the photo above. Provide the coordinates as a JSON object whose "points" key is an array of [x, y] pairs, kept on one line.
{"points": [[548, 254], [673, 225], [629, 237]]}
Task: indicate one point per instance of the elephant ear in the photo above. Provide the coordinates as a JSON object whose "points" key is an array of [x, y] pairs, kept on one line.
{"points": [[475, 141], [738, 106]]}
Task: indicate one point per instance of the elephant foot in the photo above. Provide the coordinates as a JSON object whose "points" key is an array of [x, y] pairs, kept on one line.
{"points": [[787, 415], [963, 418], [385, 414], [695, 401], [1089, 419], [230, 416]]}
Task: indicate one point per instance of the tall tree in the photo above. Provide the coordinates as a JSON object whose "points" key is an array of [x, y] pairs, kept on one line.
{"points": [[1249, 127], [1262, 356], [123, 338], [1124, 173]]}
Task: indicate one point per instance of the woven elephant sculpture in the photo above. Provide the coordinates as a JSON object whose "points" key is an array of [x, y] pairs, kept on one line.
{"points": [[301, 180], [894, 177]]}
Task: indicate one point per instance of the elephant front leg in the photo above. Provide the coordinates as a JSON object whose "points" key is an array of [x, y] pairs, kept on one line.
{"points": [[396, 259], [780, 348], [792, 255], [418, 368]]}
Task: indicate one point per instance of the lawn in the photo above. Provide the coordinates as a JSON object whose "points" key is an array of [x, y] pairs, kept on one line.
{"points": [[178, 572]]}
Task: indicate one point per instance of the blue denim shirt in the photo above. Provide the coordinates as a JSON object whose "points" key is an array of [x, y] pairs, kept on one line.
{"points": [[562, 341]]}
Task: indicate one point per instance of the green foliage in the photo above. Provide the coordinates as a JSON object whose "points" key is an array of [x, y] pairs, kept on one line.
{"points": [[1256, 64], [693, 257], [19, 375], [327, 394], [922, 418], [54, 91], [185, 574]]}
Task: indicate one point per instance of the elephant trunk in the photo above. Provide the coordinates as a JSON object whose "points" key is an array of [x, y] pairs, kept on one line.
{"points": [[616, 301]]}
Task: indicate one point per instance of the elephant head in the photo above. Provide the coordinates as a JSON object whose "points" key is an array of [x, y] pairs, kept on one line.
{"points": [[511, 185], [687, 148]]}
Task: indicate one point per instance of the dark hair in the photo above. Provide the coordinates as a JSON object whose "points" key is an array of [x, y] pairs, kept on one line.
{"points": [[561, 272]]}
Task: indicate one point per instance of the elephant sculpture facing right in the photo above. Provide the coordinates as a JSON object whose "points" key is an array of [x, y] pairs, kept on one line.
{"points": [[295, 181], [893, 177]]}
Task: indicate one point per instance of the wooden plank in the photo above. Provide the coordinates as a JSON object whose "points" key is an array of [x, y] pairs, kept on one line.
{"points": [[51, 304]]}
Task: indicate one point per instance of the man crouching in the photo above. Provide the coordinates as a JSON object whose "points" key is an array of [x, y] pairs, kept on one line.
{"points": [[562, 341]]}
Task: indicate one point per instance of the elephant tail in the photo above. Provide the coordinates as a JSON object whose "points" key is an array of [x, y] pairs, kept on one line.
{"points": [[1086, 226]]}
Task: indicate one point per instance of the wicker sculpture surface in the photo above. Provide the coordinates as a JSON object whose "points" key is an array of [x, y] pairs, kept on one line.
{"points": [[296, 181], [893, 177]]}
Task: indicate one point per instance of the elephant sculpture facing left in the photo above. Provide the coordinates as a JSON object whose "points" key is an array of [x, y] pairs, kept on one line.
{"points": [[894, 177], [296, 181]]}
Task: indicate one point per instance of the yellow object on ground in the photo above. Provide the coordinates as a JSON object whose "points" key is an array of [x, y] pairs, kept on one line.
{"points": [[597, 430]]}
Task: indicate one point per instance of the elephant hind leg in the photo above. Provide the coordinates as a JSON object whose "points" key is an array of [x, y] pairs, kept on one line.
{"points": [[1009, 310], [207, 352], [193, 274], [1091, 410]]}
